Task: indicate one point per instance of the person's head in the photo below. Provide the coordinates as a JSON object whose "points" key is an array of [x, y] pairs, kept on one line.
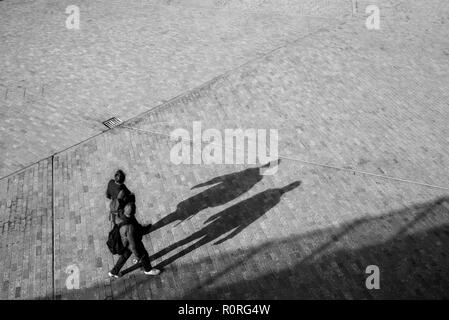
{"points": [[130, 210], [119, 176]]}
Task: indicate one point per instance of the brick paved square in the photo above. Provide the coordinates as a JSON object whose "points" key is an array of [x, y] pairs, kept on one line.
{"points": [[362, 117]]}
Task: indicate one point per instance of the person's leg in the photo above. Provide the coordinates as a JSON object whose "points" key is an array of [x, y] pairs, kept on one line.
{"points": [[112, 218], [121, 261], [146, 263], [148, 270]]}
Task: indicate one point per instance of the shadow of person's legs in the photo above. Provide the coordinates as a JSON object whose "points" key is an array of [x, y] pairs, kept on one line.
{"points": [[205, 239], [233, 219], [195, 236]]}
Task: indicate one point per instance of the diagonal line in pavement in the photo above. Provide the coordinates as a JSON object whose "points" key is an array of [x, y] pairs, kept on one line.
{"points": [[316, 163]]}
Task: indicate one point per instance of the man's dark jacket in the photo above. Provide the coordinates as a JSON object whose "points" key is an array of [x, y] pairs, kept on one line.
{"points": [[114, 189], [130, 231]]}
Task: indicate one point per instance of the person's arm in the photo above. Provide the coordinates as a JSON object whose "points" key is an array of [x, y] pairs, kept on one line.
{"points": [[121, 195], [108, 190], [124, 236], [133, 241]]}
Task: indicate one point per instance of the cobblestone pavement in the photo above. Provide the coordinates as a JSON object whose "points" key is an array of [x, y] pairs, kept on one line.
{"points": [[57, 86], [342, 96]]}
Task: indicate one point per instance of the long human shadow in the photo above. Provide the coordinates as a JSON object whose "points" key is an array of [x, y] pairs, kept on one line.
{"points": [[412, 257], [225, 188], [233, 220], [412, 260]]}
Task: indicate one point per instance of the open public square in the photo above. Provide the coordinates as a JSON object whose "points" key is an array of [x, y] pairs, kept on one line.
{"points": [[338, 189]]}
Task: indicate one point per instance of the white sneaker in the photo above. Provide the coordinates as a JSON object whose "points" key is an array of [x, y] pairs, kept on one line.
{"points": [[152, 272], [112, 275]]}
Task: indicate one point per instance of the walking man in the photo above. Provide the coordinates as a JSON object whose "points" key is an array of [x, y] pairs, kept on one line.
{"points": [[131, 238]]}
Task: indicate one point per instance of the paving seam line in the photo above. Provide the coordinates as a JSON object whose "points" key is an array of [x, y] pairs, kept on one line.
{"points": [[53, 225], [311, 163]]}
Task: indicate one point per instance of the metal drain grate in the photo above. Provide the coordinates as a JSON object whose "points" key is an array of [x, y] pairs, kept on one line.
{"points": [[113, 122]]}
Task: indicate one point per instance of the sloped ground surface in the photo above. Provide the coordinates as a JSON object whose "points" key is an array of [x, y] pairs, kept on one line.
{"points": [[342, 96], [57, 86]]}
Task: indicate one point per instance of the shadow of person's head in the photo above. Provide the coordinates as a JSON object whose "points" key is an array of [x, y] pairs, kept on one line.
{"points": [[290, 187], [272, 163]]}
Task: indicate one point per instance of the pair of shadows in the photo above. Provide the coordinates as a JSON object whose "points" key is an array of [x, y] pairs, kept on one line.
{"points": [[231, 221]]}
